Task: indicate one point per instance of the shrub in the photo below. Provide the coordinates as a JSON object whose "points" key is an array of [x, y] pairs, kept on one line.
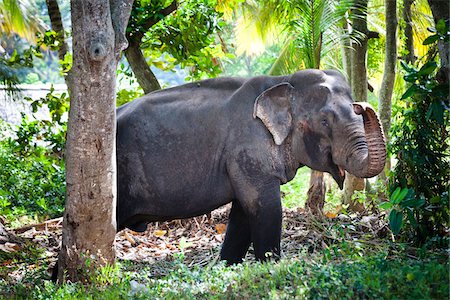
{"points": [[420, 139]]}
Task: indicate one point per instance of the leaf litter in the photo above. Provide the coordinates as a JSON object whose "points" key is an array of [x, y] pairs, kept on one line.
{"points": [[199, 239]]}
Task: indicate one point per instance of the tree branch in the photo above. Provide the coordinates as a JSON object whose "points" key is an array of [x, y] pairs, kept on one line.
{"points": [[120, 13], [137, 36]]}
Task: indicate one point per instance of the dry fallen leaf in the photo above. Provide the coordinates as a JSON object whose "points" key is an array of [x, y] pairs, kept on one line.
{"points": [[330, 215], [159, 233], [221, 228], [129, 238], [9, 247]]}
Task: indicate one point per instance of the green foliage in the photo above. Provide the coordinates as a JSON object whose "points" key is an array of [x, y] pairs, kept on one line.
{"points": [[32, 177], [30, 184], [420, 140], [188, 36], [372, 277], [127, 95]]}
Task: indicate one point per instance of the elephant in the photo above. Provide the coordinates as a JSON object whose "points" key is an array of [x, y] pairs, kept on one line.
{"points": [[187, 150]]}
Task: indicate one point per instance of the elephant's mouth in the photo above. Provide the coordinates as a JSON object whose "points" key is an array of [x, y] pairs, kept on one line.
{"points": [[337, 172]]}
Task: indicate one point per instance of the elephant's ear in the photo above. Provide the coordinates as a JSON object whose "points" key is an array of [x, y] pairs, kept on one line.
{"points": [[273, 107]]}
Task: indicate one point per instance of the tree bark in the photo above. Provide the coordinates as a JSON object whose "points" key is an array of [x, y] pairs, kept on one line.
{"points": [[89, 224], [440, 10], [57, 25], [387, 84], [408, 31], [346, 55], [316, 192], [144, 75], [358, 85]]}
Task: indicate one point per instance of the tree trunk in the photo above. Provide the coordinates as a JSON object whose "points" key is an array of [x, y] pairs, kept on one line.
{"points": [[316, 192], [89, 224], [408, 31], [57, 26], [440, 10], [144, 75], [358, 85], [387, 85], [346, 55]]}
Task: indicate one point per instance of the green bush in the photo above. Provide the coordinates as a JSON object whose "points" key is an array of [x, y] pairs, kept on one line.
{"points": [[419, 184], [32, 184], [32, 176]]}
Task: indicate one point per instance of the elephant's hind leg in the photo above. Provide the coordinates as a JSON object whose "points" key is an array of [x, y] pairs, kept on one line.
{"points": [[237, 237]]}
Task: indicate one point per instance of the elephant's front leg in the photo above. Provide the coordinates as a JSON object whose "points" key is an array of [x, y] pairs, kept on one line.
{"points": [[265, 226], [237, 238], [260, 201]]}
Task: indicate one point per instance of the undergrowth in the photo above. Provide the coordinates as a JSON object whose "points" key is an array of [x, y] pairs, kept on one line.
{"points": [[377, 276]]}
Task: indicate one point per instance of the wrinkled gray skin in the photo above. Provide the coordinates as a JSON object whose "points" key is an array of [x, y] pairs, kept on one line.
{"points": [[185, 151]]}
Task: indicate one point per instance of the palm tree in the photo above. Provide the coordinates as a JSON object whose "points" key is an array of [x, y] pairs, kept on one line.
{"points": [[18, 17]]}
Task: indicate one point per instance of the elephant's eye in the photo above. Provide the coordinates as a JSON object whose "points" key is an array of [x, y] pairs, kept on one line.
{"points": [[324, 123]]}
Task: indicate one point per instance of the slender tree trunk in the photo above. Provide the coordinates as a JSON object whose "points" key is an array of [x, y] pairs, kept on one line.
{"points": [[440, 10], [316, 192], [346, 55], [408, 31], [89, 224], [359, 87], [144, 75], [387, 85], [317, 188], [57, 25]]}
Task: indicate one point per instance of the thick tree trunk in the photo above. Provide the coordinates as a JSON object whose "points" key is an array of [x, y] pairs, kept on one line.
{"points": [[440, 10], [89, 224], [387, 85], [57, 26], [408, 31], [358, 84], [144, 75]]}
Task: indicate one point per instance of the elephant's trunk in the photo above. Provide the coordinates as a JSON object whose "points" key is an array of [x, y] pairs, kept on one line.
{"points": [[375, 158]]}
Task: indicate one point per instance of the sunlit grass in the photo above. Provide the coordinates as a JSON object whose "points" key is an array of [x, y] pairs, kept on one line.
{"points": [[294, 193]]}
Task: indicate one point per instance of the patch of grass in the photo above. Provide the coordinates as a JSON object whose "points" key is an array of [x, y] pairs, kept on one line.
{"points": [[374, 277], [294, 193]]}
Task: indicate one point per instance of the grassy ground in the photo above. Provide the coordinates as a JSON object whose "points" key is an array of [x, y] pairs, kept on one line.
{"points": [[340, 258], [377, 276]]}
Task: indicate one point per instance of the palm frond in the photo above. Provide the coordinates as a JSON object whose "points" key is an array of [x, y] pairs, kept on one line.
{"points": [[17, 16], [259, 25]]}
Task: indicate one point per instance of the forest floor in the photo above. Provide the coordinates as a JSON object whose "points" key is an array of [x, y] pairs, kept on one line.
{"points": [[165, 248]]}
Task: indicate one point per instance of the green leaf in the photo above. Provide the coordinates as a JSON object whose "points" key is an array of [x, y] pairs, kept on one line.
{"points": [[385, 205], [394, 196], [413, 202], [441, 27], [427, 68], [409, 92], [431, 39], [407, 67], [411, 218], [395, 221]]}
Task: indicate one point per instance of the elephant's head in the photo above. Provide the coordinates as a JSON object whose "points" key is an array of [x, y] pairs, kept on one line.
{"points": [[313, 113]]}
